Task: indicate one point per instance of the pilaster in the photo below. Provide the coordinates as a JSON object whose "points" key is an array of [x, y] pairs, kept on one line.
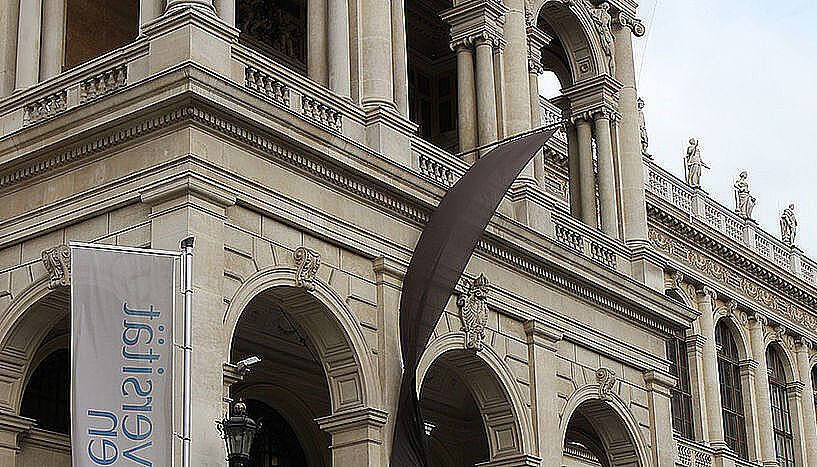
{"points": [[809, 422], [658, 399], [11, 428], [695, 346], [543, 342], [357, 436], [762, 397], [706, 301]]}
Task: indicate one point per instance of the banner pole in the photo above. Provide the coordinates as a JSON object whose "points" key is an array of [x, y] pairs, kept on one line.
{"points": [[187, 247]]}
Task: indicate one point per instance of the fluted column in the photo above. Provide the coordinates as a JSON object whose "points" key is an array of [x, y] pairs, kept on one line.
{"points": [[400, 56], [607, 177], [316, 33], [152, 9], [586, 176], [486, 98], [53, 36], [712, 388], [809, 422], [763, 400], [338, 32], [377, 87], [632, 170], [466, 100], [573, 172], [28, 44]]}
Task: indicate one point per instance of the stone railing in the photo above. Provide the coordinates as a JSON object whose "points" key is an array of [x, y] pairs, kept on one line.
{"points": [[283, 87], [82, 85], [435, 163], [691, 454], [589, 242], [697, 204], [552, 114]]}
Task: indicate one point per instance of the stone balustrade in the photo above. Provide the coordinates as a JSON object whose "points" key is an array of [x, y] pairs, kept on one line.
{"points": [[550, 115], [435, 163], [94, 80], [691, 454], [697, 204]]}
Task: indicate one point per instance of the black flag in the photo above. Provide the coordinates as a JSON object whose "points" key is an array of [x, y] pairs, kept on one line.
{"points": [[438, 261]]}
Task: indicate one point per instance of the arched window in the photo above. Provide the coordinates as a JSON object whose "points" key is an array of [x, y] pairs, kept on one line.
{"points": [[781, 416], [734, 422], [681, 395], [46, 396]]}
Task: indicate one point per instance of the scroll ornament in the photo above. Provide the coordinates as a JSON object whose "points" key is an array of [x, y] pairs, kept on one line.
{"points": [[307, 262], [606, 379], [57, 262]]}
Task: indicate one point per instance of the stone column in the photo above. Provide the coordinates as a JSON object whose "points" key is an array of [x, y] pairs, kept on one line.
{"points": [[339, 64], [400, 57], [573, 171], [150, 10], [28, 44], [607, 177], [316, 55], [712, 388], [466, 100], [357, 437], [9, 9], [486, 98], [206, 5], [794, 396], [809, 433], [53, 37], [226, 10], [762, 397], [516, 92], [587, 179], [632, 170], [658, 399], [377, 87], [543, 342], [695, 346]]}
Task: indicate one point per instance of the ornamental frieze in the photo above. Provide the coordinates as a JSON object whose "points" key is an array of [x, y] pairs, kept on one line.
{"points": [[734, 281]]}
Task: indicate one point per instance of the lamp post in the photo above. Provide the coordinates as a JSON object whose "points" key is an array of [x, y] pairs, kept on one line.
{"points": [[238, 432]]}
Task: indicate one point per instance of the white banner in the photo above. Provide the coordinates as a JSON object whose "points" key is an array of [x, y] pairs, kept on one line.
{"points": [[122, 302]]}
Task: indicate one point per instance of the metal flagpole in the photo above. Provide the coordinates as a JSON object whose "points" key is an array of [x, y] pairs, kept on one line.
{"points": [[187, 247]]}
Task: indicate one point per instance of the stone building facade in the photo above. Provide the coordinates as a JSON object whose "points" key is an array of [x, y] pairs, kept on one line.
{"points": [[611, 315]]}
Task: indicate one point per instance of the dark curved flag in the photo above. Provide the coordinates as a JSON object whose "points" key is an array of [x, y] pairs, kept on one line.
{"points": [[438, 261]]}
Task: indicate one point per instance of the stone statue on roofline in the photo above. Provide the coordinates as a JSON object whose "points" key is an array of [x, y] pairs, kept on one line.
{"points": [[788, 225], [642, 127], [693, 164], [744, 201]]}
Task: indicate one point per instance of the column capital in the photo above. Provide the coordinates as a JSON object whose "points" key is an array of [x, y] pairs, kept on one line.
{"points": [[476, 20], [748, 364], [757, 318], [591, 95], [696, 342], [803, 344], [659, 381], [795, 388], [542, 334], [634, 24], [707, 292], [364, 417]]}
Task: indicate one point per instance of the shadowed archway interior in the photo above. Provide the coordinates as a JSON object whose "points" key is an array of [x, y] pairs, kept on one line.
{"points": [[597, 436]]}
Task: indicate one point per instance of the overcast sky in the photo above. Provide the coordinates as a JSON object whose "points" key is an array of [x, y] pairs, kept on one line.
{"points": [[741, 76]]}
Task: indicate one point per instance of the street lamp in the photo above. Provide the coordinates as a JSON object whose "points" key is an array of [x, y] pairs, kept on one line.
{"points": [[238, 432]]}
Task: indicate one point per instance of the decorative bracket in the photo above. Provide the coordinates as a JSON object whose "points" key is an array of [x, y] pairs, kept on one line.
{"points": [[474, 311], [307, 261], [606, 379], [57, 262]]}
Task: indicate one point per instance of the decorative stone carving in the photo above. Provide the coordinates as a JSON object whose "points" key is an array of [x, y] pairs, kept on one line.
{"points": [[277, 27], [474, 311], [537, 39], [606, 379], [693, 164], [634, 24], [476, 21], [307, 261], [788, 226], [744, 201], [602, 21], [45, 107], [57, 262], [103, 83], [642, 126]]}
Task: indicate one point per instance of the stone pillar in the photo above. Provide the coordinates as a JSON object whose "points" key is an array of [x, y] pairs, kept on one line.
{"points": [[809, 432], [587, 179], [316, 54], [28, 44], [339, 64], [226, 10], [762, 397], [188, 207], [466, 100], [607, 177], [486, 98], [543, 342], [11, 427], [695, 346], [150, 10], [794, 396], [658, 400], [377, 87], [206, 5], [400, 56], [389, 279], [9, 11], [573, 171], [53, 37], [632, 170], [516, 92], [357, 436], [712, 387]]}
